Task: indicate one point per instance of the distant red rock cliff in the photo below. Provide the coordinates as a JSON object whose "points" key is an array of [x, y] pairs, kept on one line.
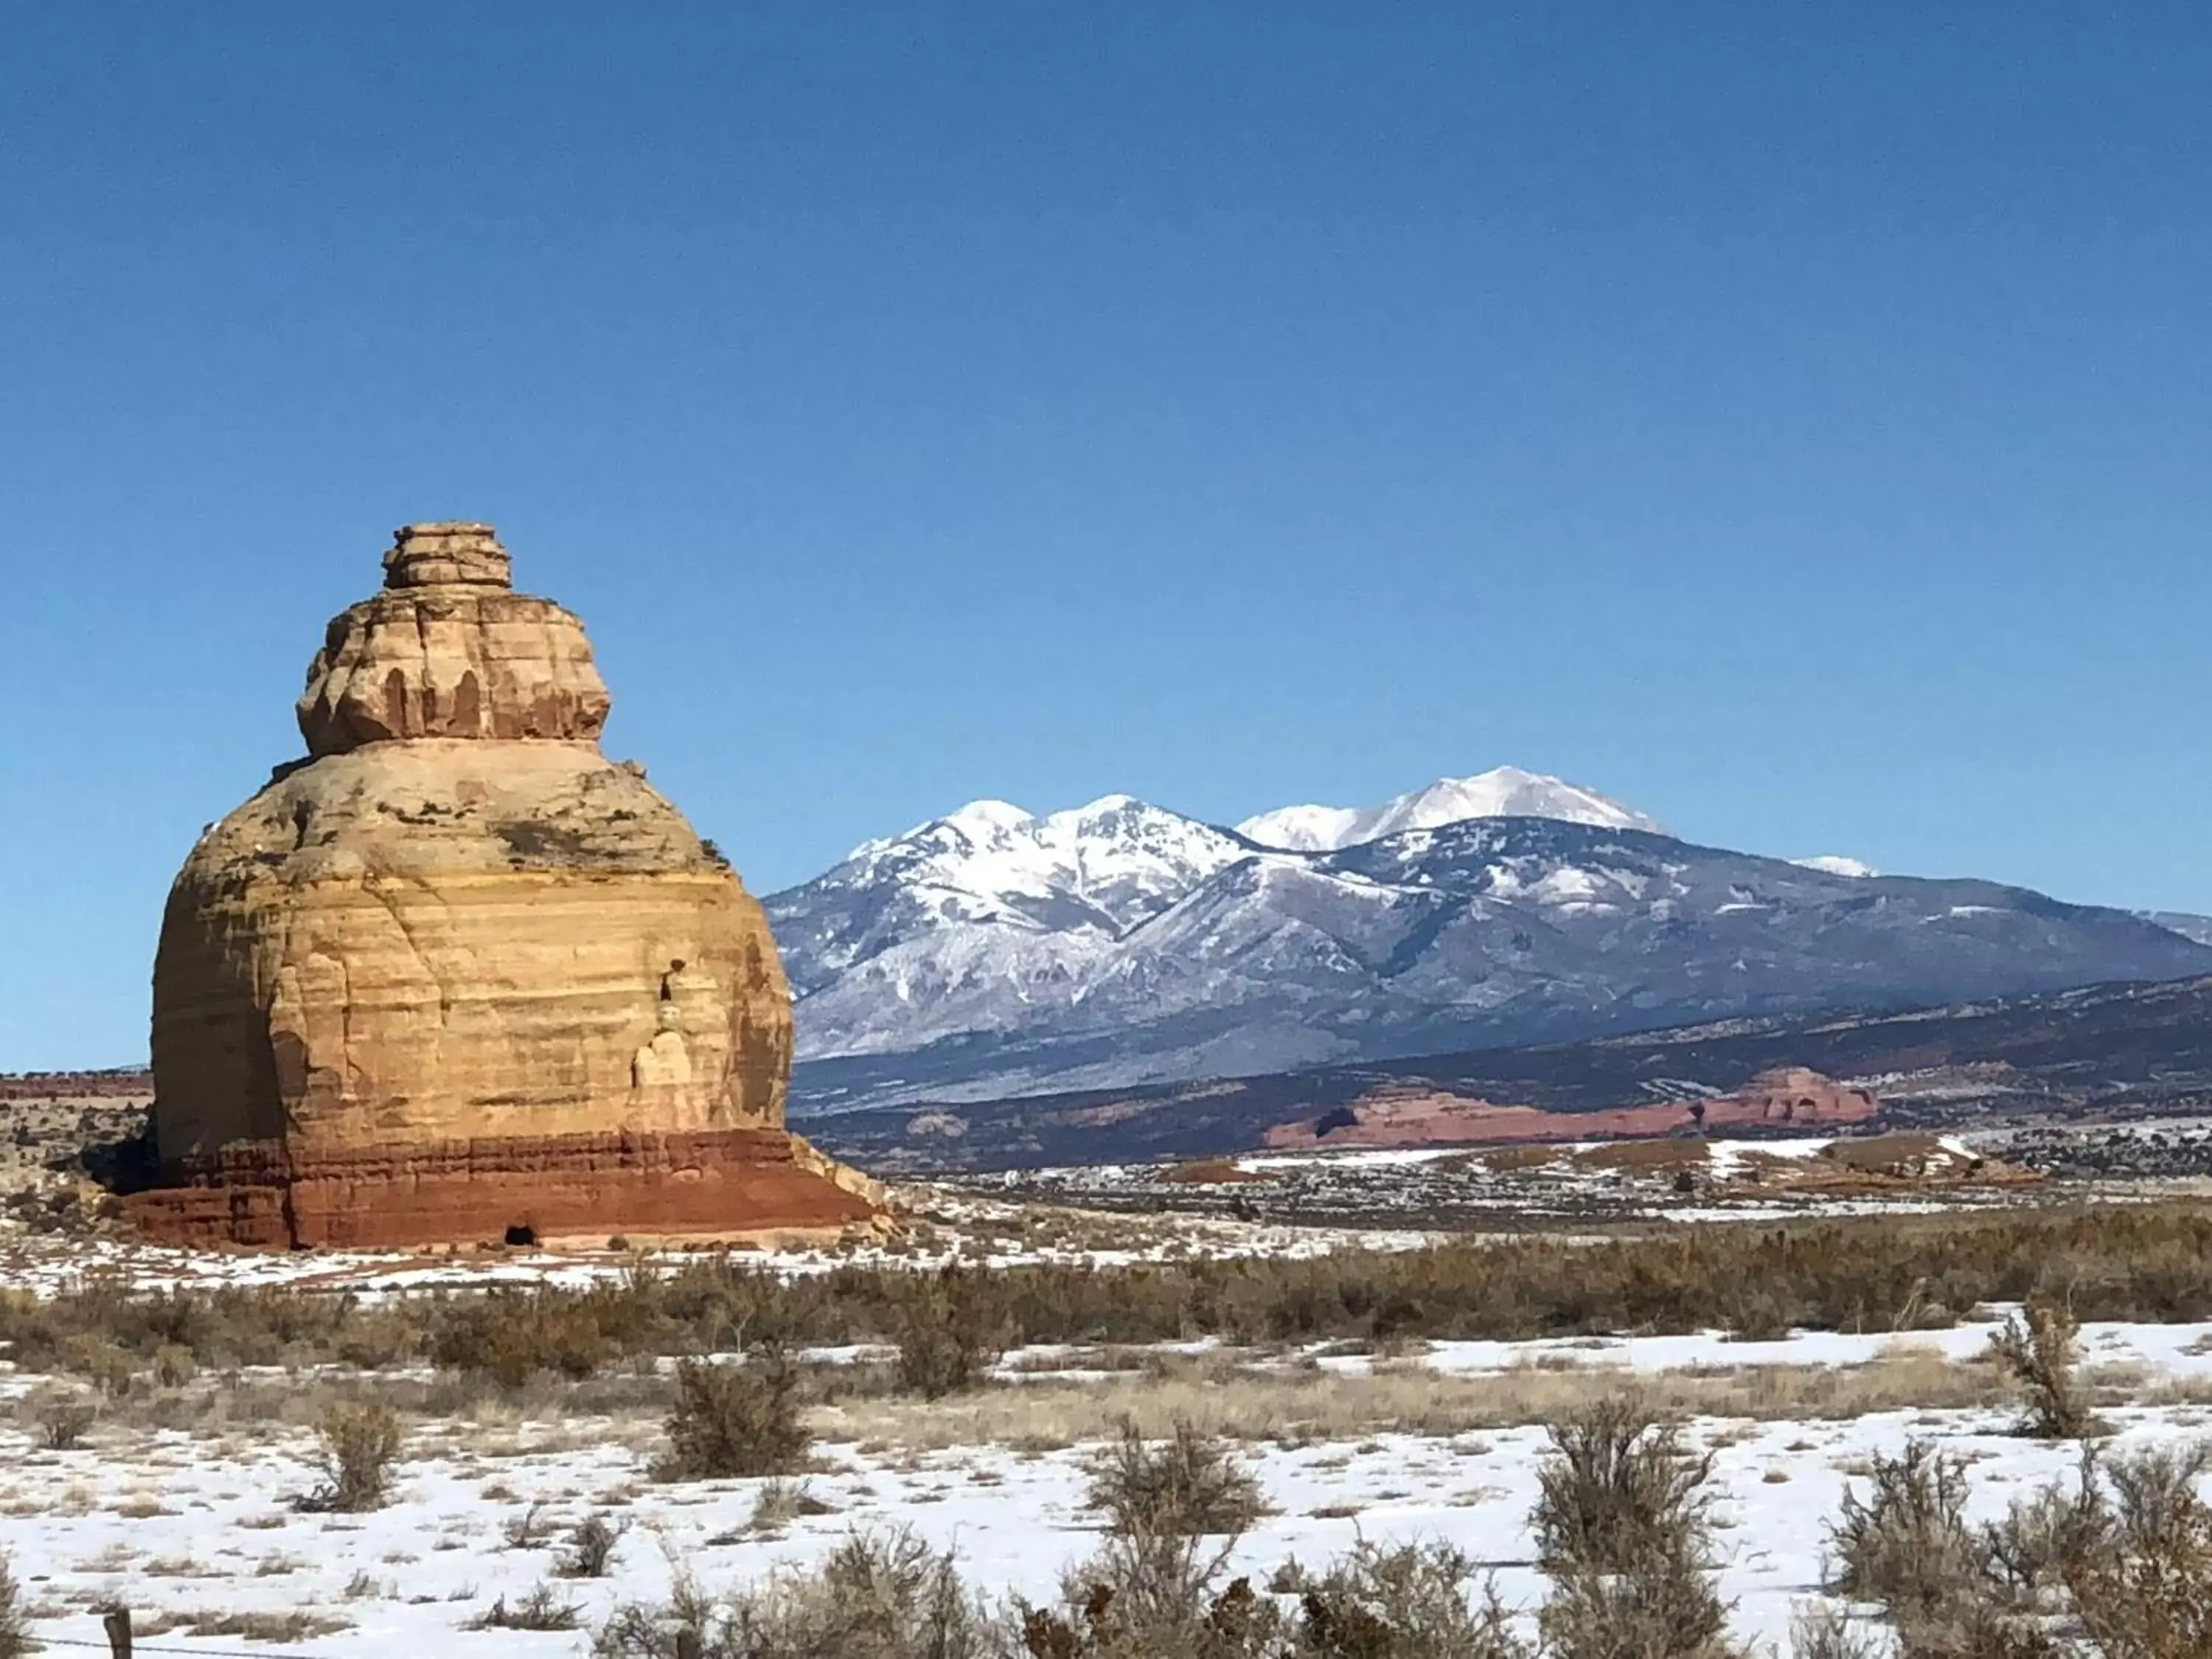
{"points": [[1398, 1115]]}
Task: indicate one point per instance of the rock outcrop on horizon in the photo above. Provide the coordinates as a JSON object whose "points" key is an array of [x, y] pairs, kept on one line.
{"points": [[459, 976]]}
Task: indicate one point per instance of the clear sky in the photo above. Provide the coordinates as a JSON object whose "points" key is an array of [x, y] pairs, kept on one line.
{"points": [[1795, 421]]}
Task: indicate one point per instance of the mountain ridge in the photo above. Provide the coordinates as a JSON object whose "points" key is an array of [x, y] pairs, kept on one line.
{"points": [[2117, 1050], [993, 951]]}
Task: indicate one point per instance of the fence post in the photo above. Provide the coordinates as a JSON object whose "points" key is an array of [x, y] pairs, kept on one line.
{"points": [[117, 1623]]}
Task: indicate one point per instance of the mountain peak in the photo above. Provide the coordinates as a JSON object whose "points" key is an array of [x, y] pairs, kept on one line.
{"points": [[987, 815], [1501, 791]]}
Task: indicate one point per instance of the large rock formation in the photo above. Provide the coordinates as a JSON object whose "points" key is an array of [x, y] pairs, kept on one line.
{"points": [[459, 976]]}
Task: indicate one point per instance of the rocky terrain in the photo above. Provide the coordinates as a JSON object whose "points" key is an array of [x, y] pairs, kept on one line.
{"points": [[1522, 1187], [2155, 1149], [992, 953]]}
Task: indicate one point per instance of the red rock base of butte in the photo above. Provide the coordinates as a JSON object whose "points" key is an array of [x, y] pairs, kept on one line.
{"points": [[578, 1188]]}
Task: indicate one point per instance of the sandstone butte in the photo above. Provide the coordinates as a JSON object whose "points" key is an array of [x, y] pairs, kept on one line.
{"points": [[456, 976]]}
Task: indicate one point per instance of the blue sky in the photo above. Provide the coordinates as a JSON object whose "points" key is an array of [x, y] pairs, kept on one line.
{"points": [[1793, 421]]}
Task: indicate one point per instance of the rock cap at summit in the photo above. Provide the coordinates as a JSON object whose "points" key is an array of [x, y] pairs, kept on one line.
{"points": [[448, 554]]}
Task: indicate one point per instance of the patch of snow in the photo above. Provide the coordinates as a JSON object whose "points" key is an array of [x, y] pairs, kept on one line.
{"points": [[1835, 864], [1503, 792]]}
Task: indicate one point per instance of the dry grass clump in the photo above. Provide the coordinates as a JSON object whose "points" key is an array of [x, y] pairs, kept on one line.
{"points": [[295, 1625], [540, 1609], [359, 1444], [1188, 1485], [1227, 1394], [877, 1596], [591, 1549], [733, 1421], [779, 1503]]}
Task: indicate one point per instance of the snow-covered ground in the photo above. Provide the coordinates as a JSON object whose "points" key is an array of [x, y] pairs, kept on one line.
{"points": [[954, 1227], [172, 1521]]}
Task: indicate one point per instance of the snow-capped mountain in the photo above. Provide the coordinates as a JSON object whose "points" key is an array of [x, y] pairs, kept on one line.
{"points": [[1090, 872], [993, 953], [1505, 791]]}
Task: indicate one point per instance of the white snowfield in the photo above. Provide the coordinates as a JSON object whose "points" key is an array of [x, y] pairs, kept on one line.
{"points": [[1504, 792], [164, 1520]]}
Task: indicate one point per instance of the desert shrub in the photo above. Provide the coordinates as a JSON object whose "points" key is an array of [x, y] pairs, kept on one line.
{"points": [[173, 1366], [102, 1364], [1623, 1531], [1145, 1597], [1616, 1486], [358, 1445], [1187, 1486], [2037, 1353], [14, 1623], [526, 1531], [733, 1421], [2148, 1262], [876, 1596], [541, 1609], [779, 1503], [949, 1335], [1978, 1628], [2048, 1534], [2155, 1493], [2153, 1600], [1413, 1602], [1664, 1607], [62, 1420], [591, 1549], [509, 1337], [2066, 1574], [688, 1623], [1822, 1631], [1907, 1545]]}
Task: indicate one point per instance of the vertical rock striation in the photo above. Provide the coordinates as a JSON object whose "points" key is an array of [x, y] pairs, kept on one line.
{"points": [[459, 976]]}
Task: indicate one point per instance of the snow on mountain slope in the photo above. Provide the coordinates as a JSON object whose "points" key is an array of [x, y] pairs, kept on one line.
{"points": [[1504, 792], [1092, 871], [1836, 864], [990, 952]]}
